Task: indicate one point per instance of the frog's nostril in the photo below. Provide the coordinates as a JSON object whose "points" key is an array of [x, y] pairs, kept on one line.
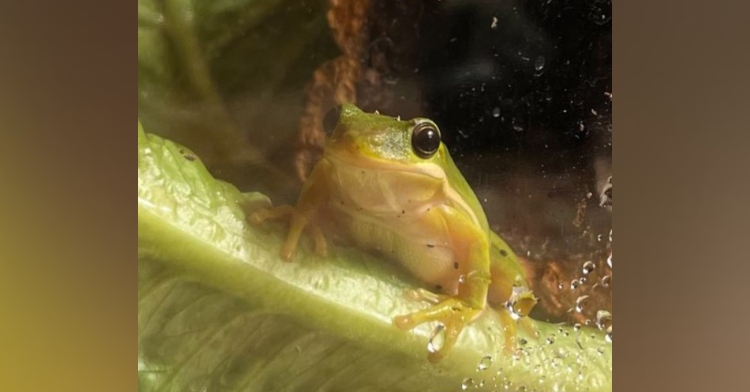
{"points": [[331, 120]]}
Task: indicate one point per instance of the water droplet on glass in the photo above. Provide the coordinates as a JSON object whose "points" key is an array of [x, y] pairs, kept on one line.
{"points": [[461, 278], [436, 339], [537, 368], [496, 112], [539, 63], [609, 261], [581, 303], [551, 339], [485, 363], [588, 267], [467, 383], [607, 280], [574, 284], [522, 341], [517, 128], [603, 319]]}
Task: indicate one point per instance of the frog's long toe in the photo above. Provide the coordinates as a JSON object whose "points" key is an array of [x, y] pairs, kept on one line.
{"points": [[265, 214], [425, 295]]}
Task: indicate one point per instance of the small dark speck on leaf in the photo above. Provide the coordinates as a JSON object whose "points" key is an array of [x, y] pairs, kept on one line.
{"points": [[503, 252], [438, 287], [455, 265], [430, 245]]}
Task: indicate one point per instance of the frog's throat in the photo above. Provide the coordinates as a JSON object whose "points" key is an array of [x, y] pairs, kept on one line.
{"points": [[426, 169]]}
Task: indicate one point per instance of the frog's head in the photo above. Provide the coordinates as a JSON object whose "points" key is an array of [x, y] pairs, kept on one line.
{"points": [[365, 138], [394, 148]]}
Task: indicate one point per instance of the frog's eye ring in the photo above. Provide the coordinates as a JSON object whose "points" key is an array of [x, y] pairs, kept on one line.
{"points": [[425, 139], [331, 120]]}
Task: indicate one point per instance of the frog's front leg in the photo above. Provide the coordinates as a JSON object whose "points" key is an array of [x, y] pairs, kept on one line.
{"points": [[455, 312], [313, 197]]}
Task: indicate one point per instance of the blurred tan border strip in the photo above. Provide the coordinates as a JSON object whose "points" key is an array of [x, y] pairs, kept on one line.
{"points": [[681, 155], [68, 217]]}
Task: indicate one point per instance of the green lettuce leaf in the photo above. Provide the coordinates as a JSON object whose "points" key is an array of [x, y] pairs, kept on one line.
{"points": [[218, 310]]}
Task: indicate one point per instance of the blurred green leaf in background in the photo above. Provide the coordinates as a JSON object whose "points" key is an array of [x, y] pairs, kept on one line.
{"points": [[227, 78]]}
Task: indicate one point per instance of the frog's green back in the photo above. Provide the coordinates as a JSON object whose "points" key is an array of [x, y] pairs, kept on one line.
{"points": [[457, 180]]}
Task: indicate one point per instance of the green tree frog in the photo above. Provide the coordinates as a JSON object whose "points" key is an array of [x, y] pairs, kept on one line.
{"points": [[391, 187]]}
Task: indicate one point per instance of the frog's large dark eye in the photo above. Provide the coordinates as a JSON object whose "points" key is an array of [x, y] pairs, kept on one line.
{"points": [[331, 120], [425, 140]]}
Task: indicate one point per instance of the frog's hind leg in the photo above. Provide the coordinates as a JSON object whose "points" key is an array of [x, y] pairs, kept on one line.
{"points": [[510, 295]]}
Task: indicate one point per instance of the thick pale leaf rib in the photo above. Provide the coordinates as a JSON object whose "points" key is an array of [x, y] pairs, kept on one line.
{"points": [[218, 309]]}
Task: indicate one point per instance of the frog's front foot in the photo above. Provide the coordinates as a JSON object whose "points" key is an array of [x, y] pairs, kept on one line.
{"points": [[298, 222], [452, 313]]}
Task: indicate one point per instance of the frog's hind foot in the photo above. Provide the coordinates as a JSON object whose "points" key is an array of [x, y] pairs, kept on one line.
{"points": [[452, 313], [510, 320], [298, 222]]}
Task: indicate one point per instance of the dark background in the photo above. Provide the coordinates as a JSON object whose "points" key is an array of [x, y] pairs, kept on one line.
{"points": [[522, 92]]}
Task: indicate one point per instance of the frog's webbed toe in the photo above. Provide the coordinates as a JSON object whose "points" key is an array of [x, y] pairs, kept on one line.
{"points": [[298, 223], [452, 313]]}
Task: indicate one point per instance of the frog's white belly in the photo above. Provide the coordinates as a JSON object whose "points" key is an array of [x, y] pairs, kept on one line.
{"points": [[399, 216]]}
